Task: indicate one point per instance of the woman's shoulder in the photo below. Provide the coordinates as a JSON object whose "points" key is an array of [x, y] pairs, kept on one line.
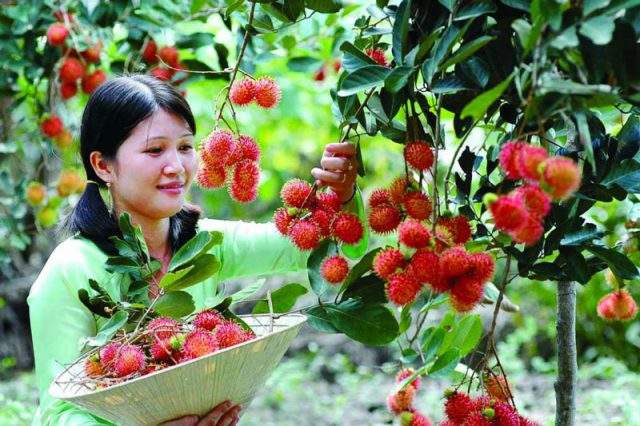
{"points": [[74, 249]]}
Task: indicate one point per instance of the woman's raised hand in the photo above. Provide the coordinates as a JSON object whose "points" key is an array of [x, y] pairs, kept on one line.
{"points": [[339, 169], [223, 414]]}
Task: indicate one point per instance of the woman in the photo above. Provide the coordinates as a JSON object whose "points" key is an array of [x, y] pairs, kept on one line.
{"points": [[137, 140]]}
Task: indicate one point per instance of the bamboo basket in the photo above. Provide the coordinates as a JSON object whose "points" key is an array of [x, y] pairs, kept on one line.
{"points": [[193, 387]]}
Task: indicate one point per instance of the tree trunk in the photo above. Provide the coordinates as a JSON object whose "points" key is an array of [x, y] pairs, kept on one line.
{"points": [[565, 385]]}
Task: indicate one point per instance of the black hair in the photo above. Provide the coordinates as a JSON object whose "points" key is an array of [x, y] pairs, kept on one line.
{"points": [[114, 109]]}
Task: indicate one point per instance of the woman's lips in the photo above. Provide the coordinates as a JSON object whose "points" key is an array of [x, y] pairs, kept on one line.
{"points": [[172, 189]]}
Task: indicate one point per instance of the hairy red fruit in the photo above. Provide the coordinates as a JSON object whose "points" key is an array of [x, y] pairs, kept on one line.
{"points": [[295, 192], [108, 353], [199, 343], [161, 349], [413, 234], [529, 232], [347, 228], [477, 419], [387, 262], [282, 220], [304, 234], [617, 306], [508, 213], [92, 53], [217, 147], [482, 266], [245, 180], [243, 91], [71, 70], [481, 402], [328, 201], [377, 55], [443, 238], [169, 56], [509, 158], [417, 205], [527, 422], [150, 51], [229, 334], [56, 34], [465, 293], [323, 219], [397, 190], [92, 367], [419, 155], [247, 149], [458, 406], [401, 400], [458, 227], [334, 269], [406, 373], [384, 219], [92, 81], [535, 200], [211, 177], [414, 418], [562, 176], [497, 387], [505, 414], [402, 288], [454, 262], [163, 74], [267, 93], [68, 89], [208, 319], [425, 266], [529, 161], [379, 197], [52, 126], [320, 74], [129, 360], [163, 327]]}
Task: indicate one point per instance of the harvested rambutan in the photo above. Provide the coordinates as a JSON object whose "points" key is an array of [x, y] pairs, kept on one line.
{"points": [[535, 200], [510, 159], [161, 349], [379, 197], [108, 353], [384, 218], [497, 387], [242, 91], [419, 155], [477, 419], [52, 126], [199, 343], [328, 201], [406, 373], [229, 334], [458, 226], [323, 219], [417, 205], [377, 55], [617, 306], [211, 177], [129, 360], [267, 92], [508, 213], [458, 406], [244, 182], [217, 147], [304, 234], [414, 418], [412, 233], [163, 327], [387, 262], [401, 401], [208, 319], [561, 176], [71, 70], [93, 367], [402, 288], [347, 228], [529, 160], [529, 232], [282, 220], [334, 269], [294, 193]]}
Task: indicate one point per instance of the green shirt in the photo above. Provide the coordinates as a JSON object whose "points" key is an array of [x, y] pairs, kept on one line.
{"points": [[59, 320]]}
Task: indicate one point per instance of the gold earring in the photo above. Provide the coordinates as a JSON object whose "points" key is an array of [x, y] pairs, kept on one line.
{"points": [[108, 184]]}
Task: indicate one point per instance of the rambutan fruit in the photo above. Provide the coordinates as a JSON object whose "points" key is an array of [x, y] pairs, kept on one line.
{"points": [[561, 176], [377, 55], [419, 155], [323, 219], [267, 92], [397, 190], [509, 158], [211, 177], [454, 262], [508, 213], [68, 89], [247, 149], [304, 234], [406, 373], [56, 34], [482, 266], [379, 197], [384, 218], [108, 353], [150, 51], [402, 288], [425, 266], [529, 232], [334, 269], [71, 70], [93, 367], [217, 147], [52, 126], [162, 327], [535, 200], [465, 293], [92, 53], [458, 406], [244, 182], [412, 233], [618, 305], [401, 401], [505, 414], [229, 334], [92, 81], [387, 262], [199, 343], [169, 55], [417, 205], [328, 201], [243, 91], [129, 360], [529, 160], [164, 74], [477, 419], [347, 228], [458, 226], [294, 193], [414, 418], [35, 193], [161, 349], [208, 319], [282, 220]]}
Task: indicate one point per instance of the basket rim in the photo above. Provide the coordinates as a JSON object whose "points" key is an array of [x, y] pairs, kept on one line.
{"points": [[54, 386]]}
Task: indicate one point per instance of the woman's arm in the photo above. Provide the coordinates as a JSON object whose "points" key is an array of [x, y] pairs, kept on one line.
{"points": [[58, 321]]}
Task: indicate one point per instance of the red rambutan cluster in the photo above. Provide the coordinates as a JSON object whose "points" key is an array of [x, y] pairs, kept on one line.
{"points": [[400, 401], [462, 410], [228, 161], [264, 91]]}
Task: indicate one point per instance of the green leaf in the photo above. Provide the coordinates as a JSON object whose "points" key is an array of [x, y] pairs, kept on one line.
{"points": [[201, 243], [405, 319], [353, 58], [108, 329], [474, 9], [360, 268], [589, 6], [247, 291], [123, 265], [171, 277], [619, 264], [587, 234], [522, 5], [324, 6], [304, 64], [577, 268], [204, 267], [362, 79], [320, 319], [175, 304], [464, 336], [282, 300], [626, 175], [445, 363], [372, 325], [448, 4], [400, 31], [398, 78], [442, 47], [369, 289], [585, 137], [553, 84], [432, 339], [447, 85], [467, 50], [325, 249], [567, 38], [599, 29], [478, 106], [195, 40]]}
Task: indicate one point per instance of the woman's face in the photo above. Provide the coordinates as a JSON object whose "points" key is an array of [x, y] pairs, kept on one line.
{"points": [[154, 167]]}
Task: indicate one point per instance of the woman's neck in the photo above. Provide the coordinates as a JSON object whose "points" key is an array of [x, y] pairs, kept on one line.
{"points": [[155, 233]]}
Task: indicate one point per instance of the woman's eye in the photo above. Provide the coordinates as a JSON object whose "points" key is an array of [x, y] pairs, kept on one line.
{"points": [[154, 150], [186, 147]]}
